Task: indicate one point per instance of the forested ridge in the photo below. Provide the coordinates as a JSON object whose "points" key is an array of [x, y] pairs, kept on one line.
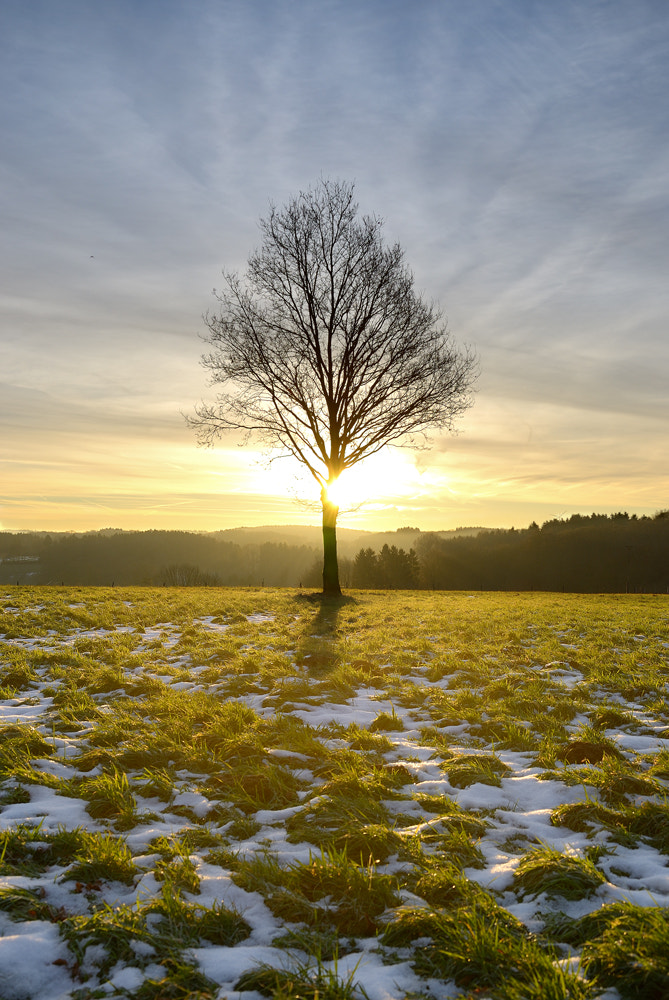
{"points": [[583, 554], [587, 554], [127, 558]]}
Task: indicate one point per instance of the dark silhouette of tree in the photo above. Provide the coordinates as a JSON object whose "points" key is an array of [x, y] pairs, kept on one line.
{"points": [[365, 569], [324, 351], [398, 570], [391, 569], [614, 553]]}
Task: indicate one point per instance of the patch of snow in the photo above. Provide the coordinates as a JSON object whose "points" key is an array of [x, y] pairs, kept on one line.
{"points": [[28, 958]]}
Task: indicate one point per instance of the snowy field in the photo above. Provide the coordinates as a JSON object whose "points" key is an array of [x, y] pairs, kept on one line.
{"points": [[246, 793]]}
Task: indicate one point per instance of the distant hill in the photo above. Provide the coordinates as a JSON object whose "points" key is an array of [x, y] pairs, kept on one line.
{"points": [[349, 540], [276, 555], [585, 553]]}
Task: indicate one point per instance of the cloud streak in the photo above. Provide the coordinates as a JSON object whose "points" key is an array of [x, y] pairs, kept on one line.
{"points": [[519, 152]]}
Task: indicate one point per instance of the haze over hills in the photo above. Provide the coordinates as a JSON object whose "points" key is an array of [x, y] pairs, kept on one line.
{"points": [[278, 555], [283, 532], [349, 540], [585, 553]]}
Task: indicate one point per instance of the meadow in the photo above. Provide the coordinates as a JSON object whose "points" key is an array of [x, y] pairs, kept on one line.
{"points": [[213, 793]]}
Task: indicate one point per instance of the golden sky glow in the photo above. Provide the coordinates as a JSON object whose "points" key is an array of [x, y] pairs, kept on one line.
{"points": [[519, 153]]}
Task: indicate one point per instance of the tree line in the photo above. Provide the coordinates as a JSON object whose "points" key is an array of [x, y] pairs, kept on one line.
{"points": [[583, 554], [595, 553], [151, 558], [586, 554]]}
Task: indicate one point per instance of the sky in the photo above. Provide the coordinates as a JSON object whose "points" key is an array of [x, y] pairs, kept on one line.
{"points": [[517, 149]]}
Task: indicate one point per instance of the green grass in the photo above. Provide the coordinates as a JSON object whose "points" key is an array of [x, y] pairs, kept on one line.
{"points": [[469, 769], [172, 707], [546, 870], [109, 797], [302, 982], [27, 850], [626, 823], [624, 946], [26, 904], [182, 924], [443, 885], [331, 889], [101, 857], [481, 946]]}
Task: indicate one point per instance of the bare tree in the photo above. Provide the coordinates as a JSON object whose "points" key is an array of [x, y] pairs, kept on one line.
{"points": [[325, 351]]}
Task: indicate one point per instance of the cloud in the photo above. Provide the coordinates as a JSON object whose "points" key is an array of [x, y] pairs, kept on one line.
{"points": [[519, 153]]}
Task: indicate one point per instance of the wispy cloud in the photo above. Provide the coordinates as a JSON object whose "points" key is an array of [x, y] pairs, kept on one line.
{"points": [[519, 152]]}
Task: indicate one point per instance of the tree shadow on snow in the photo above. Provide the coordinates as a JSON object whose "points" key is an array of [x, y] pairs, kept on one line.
{"points": [[317, 648]]}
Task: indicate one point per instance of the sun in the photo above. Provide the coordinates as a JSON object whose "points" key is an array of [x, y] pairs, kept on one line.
{"points": [[357, 486], [386, 479], [383, 478], [337, 492]]}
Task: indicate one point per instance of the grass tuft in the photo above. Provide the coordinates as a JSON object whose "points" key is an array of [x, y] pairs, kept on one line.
{"points": [[303, 982], [101, 857], [630, 953], [544, 869], [468, 769]]}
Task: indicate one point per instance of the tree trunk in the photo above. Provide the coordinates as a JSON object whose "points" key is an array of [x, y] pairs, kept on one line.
{"points": [[330, 563]]}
